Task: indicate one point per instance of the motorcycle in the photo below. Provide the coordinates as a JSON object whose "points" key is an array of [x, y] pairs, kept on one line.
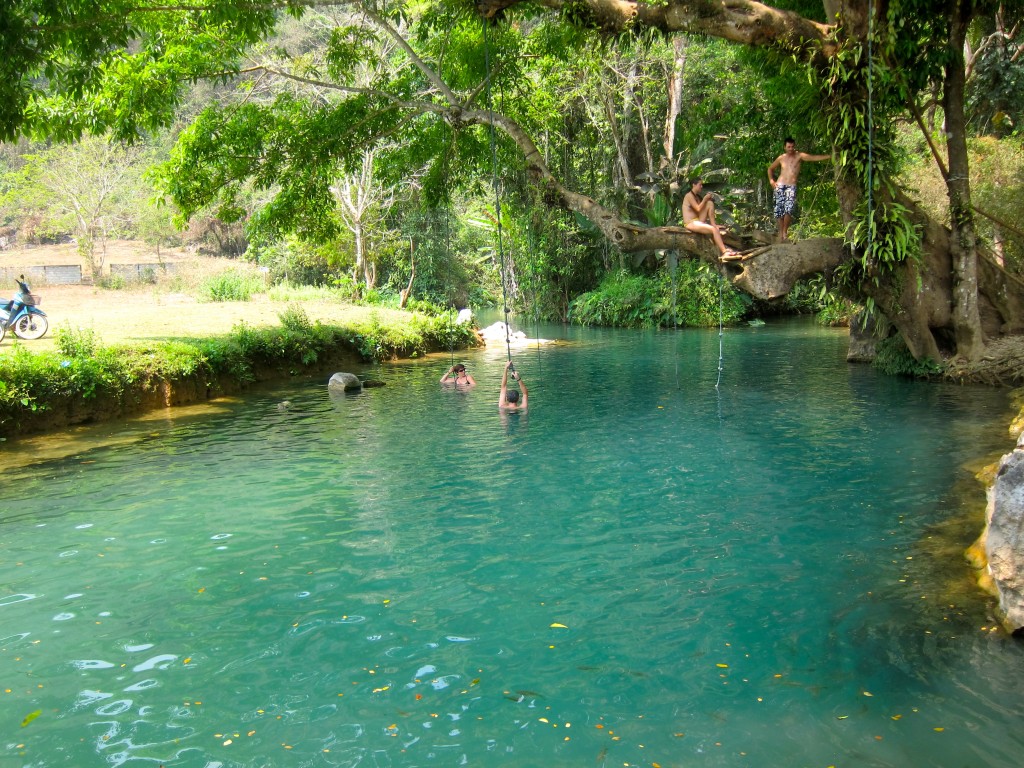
{"points": [[23, 314]]}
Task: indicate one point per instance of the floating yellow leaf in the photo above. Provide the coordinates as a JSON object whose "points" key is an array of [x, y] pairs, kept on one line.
{"points": [[556, 625], [722, 666], [30, 717], [868, 693], [938, 730], [227, 742], [896, 717], [543, 719], [841, 717]]}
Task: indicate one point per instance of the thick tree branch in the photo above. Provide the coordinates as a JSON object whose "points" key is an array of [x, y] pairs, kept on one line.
{"points": [[741, 21]]}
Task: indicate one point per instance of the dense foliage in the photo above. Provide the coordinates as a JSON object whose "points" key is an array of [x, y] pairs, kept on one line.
{"points": [[355, 145], [694, 295]]}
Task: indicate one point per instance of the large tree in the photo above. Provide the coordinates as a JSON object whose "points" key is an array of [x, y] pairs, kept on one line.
{"points": [[93, 65]]}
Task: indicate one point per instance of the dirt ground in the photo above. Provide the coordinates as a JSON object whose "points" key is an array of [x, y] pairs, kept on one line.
{"points": [[164, 311]]}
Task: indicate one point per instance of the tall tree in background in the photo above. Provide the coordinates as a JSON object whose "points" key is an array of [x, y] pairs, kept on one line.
{"points": [[363, 202], [88, 187], [873, 59]]}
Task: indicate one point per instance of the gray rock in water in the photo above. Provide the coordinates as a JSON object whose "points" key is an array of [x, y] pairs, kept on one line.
{"points": [[1004, 544], [368, 383], [863, 338], [344, 382]]}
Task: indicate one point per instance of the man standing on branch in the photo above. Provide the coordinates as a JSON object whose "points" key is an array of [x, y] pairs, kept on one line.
{"points": [[788, 164], [699, 216]]}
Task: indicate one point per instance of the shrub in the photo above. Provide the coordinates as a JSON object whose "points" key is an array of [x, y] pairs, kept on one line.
{"points": [[893, 358], [113, 282], [294, 318], [76, 342], [689, 298], [232, 285]]}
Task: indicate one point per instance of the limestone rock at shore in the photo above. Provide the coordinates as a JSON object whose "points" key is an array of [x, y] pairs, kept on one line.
{"points": [[1004, 540]]}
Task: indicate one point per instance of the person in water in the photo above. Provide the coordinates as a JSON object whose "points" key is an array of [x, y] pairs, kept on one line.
{"points": [[458, 376], [509, 399]]}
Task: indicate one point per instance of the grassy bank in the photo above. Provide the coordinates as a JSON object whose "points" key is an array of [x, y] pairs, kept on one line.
{"points": [[82, 380]]}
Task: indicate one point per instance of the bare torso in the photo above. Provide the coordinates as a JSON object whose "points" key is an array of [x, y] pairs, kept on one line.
{"points": [[789, 168], [692, 210]]}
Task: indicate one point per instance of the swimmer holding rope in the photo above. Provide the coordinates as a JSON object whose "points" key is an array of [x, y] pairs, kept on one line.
{"points": [[459, 376], [509, 400]]}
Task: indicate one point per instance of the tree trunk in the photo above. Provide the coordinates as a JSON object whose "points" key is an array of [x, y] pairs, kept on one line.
{"points": [[675, 102], [963, 243], [404, 294]]}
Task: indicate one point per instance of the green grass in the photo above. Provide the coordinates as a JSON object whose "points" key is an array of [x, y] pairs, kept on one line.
{"points": [[82, 368]]}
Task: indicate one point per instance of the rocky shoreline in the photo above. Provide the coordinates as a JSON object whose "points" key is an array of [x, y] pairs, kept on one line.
{"points": [[998, 554]]}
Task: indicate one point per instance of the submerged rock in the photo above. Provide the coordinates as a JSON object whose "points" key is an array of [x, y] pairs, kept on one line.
{"points": [[344, 382]]}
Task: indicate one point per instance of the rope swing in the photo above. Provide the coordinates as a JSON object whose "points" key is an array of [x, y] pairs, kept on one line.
{"points": [[719, 381], [871, 131], [494, 184], [448, 256]]}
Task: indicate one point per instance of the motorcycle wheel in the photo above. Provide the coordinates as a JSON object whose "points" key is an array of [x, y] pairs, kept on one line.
{"points": [[31, 326]]}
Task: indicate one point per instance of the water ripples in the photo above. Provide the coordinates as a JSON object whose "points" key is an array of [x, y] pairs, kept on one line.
{"points": [[405, 578]]}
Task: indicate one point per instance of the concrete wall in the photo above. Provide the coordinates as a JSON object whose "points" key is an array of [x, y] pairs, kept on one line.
{"points": [[64, 274], [71, 274]]}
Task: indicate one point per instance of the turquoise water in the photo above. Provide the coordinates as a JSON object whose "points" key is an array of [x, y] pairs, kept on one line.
{"points": [[641, 570]]}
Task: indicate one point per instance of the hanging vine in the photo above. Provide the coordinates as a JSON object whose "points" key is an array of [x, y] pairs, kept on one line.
{"points": [[862, 97]]}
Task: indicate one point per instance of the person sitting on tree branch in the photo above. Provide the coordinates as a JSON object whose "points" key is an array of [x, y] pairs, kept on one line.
{"points": [[788, 164], [699, 216]]}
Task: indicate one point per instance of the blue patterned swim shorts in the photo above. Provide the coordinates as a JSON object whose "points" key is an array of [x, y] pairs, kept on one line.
{"points": [[785, 200]]}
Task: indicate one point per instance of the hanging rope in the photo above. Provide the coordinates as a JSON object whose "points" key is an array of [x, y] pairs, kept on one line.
{"points": [[448, 255], [672, 261], [494, 183], [719, 334], [871, 129], [531, 243]]}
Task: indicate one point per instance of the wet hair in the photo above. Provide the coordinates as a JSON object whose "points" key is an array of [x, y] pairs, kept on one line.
{"points": [[512, 396], [696, 180], [789, 140], [460, 368]]}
